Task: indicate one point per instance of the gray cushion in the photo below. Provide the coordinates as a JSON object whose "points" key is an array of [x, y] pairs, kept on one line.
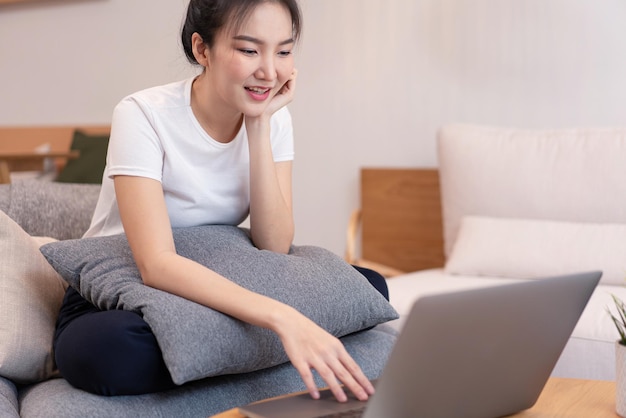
{"points": [[198, 342], [58, 210], [56, 398], [8, 399]]}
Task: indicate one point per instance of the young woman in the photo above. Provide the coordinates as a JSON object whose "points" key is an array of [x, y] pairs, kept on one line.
{"points": [[208, 150]]}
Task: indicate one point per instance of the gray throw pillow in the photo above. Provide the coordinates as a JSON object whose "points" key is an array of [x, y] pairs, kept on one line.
{"points": [[199, 342]]}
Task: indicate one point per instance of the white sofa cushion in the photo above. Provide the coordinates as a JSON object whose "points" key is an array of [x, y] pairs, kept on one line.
{"points": [[528, 248], [31, 292], [589, 354], [406, 288], [573, 175]]}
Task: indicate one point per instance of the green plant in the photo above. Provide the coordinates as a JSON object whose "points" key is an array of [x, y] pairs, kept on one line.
{"points": [[620, 319]]}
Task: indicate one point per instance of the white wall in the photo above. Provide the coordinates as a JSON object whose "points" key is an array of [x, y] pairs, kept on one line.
{"points": [[71, 61], [377, 77]]}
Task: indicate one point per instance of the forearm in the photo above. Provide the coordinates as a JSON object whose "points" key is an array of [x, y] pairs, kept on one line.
{"points": [[271, 217], [146, 223], [147, 227], [175, 274]]}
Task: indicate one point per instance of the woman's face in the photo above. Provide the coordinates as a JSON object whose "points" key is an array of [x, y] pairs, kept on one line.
{"points": [[248, 67]]}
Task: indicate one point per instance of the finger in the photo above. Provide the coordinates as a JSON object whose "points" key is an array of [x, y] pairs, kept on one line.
{"points": [[283, 96], [292, 80], [350, 374], [338, 367], [288, 87], [290, 84], [307, 378], [357, 373], [333, 384], [357, 382]]}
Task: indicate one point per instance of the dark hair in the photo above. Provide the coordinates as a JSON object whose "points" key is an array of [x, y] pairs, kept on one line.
{"points": [[208, 17]]}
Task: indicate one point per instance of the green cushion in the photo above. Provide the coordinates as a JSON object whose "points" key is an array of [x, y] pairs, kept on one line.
{"points": [[89, 166]]}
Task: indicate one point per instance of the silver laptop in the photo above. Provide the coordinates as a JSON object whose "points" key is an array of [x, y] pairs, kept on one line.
{"points": [[484, 352]]}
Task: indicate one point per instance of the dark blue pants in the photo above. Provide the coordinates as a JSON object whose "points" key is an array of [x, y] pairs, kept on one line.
{"points": [[115, 352]]}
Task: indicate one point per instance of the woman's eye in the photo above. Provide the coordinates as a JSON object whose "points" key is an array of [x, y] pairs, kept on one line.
{"points": [[284, 53], [247, 51]]}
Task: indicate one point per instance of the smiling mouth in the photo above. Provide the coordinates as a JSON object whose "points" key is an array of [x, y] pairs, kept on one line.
{"points": [[258, 90]]}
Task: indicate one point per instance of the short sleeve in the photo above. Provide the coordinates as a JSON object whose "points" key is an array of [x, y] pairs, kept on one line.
{"points": [[134, 147]]}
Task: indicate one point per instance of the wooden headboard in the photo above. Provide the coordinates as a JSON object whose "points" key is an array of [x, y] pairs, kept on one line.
{"points": [[400, 218]]}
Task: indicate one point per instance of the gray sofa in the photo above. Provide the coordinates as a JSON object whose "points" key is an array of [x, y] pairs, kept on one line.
{"points": [[62, 211]]}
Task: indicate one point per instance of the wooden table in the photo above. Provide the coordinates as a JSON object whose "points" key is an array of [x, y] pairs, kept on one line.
{"points": [[24, 161], [572, 398]]}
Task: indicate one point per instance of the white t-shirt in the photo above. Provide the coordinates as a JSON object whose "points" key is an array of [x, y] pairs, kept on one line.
{"points": [[154, 134]]}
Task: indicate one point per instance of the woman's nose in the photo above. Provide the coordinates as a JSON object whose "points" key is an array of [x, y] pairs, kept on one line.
{"points": [[266, 70]]}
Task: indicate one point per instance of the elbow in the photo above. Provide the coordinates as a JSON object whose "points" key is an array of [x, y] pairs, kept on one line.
{"points": [[275, 243], [152, 271], [283, 249], [276, 247], [148, 277]]}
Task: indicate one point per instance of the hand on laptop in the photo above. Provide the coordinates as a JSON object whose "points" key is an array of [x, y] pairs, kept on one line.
{"points": [[310, 347]]}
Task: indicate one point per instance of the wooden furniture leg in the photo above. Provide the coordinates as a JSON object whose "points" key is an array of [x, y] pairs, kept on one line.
{"points": [[5, 174]]}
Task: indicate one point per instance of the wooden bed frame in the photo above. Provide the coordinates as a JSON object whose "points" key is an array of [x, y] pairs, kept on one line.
{"points": [[399, 220], [18, 144]]}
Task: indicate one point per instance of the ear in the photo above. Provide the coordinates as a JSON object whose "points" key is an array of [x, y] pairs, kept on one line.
{"points": [[200, 49]]}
